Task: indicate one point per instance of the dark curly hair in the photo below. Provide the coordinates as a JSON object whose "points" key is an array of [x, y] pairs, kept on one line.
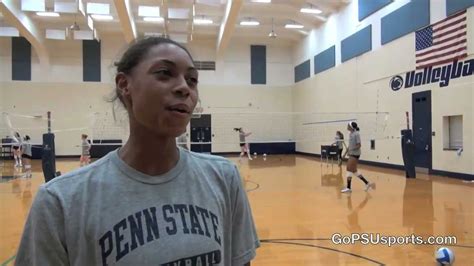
{"points": [[136, 52]]}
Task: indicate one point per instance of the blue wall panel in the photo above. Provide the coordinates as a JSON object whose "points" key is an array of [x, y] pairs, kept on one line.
{"points": [[21, 59], [325, 60], [258, 64], [368, 7], [356, 44], [91, 60], [302, 71], [453, 6], [408, 18]]}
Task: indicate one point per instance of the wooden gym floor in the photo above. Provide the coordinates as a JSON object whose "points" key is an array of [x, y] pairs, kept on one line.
{"points": [[298, 207]]}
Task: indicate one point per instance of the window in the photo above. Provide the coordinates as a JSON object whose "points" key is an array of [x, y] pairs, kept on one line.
{"points": [[205, 65], [452, 128]]}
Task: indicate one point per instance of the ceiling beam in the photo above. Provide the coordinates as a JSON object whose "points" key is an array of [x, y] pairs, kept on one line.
{"points": [[325, 7], [191, 22], [283, 12], [127, 23], [228, 25], [14, 16], [164, 14]]}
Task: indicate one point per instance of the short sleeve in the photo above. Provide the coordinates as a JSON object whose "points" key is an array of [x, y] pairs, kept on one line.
{"points": [[357, 139], [43, 241], [244, 234]]}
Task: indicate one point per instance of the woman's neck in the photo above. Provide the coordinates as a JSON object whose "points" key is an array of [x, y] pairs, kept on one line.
{"points": [[149, 154]]}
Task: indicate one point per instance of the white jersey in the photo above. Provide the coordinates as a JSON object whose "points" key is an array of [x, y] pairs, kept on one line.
{"points": [[16, 142]]}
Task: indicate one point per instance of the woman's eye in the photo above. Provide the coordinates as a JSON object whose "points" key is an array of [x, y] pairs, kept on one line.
{"points": [[193, 80], [164, 72]]}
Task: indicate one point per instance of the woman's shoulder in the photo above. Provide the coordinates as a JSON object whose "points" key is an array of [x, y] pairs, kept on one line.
{"points": [[80, 176], [208, 158], [212, 161]]}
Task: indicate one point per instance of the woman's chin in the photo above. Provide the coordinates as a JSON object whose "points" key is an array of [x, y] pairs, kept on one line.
{"points": [[174, 132]]}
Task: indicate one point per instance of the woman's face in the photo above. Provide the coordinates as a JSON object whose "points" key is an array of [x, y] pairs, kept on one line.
{"points": [[161, 91]]}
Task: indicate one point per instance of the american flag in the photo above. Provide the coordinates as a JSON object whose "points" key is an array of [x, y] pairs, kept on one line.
{"points": [[442, 42]]}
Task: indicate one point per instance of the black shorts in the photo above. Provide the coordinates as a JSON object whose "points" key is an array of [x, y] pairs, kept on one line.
{"points": [[16, 147], [355, 156], [26, 156], [242, 144], [339, 153]]}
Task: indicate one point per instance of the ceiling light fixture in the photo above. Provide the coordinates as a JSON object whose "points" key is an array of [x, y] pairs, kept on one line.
{"points": [[148, 11], [74, 27], [47, 14], [293, 26], [272, 34], [153, 19], [310, 9], [249, 23], [102, 17], [202, 21]]}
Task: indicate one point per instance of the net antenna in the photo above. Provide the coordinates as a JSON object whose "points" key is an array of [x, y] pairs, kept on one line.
{"points": [[8, 123], [33, 125]]}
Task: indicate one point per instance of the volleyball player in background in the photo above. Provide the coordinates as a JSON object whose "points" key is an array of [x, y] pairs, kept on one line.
{"points": [[354, 152], [27, 155], [244, 146], [85, 151], [339, 142], [17, 149]]}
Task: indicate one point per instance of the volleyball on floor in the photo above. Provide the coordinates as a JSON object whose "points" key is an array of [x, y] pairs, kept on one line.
{"points": [[444, 256]]}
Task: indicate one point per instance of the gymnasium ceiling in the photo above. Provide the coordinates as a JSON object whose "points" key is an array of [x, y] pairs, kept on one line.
{"points": [[178, 21]]}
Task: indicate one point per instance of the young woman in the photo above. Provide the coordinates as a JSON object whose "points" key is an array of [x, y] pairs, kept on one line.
{"points": [[27, 155], [244, 146], [340, 146], [86, 148], [17, 149], [149, 202], [354, 154]]}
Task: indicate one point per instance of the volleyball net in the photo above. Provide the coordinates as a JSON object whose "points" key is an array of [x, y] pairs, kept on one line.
{"points": [[111, 128]]}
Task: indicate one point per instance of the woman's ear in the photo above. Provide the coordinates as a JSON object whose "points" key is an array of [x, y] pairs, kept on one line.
{"points": [[123, 88]]}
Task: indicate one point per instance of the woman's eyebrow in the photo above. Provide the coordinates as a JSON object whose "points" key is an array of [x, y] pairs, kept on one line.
{"points": [[164, 61], [171, 63]]}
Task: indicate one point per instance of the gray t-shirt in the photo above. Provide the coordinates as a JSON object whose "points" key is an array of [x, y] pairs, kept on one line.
{"points": [[86, 146], [26, 148], [242, 137], [339, 142], [354, 139], [110, 214]]}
